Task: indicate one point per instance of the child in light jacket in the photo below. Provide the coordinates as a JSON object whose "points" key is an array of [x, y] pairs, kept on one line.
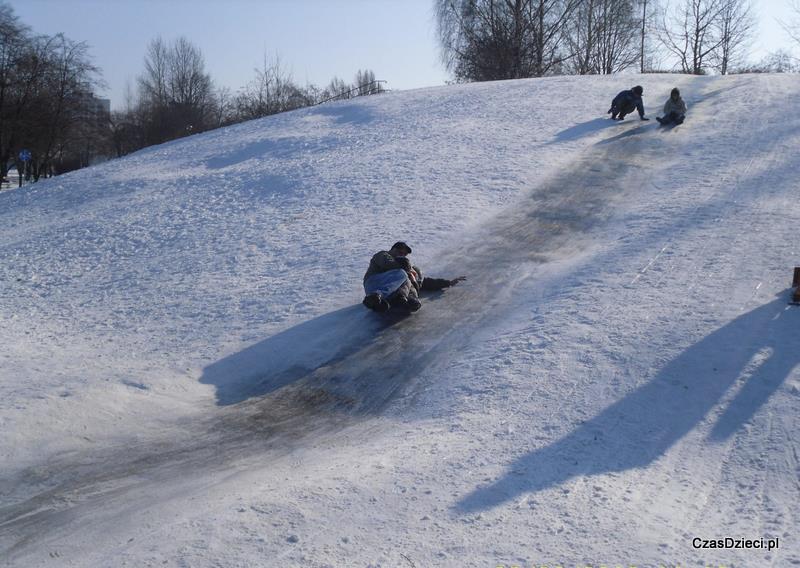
{"points": [[674, 109]]}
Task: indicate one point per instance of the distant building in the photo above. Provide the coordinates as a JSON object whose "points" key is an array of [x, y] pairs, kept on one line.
{"points": [[97, 110], [100, 107], [89, 143]]}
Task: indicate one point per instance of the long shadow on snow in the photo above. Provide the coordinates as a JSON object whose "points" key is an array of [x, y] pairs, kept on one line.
{"points": [[356, 364], [623, 135], [346, 113], [758, 349], [283, 148], [583, 129], [299, 352]]}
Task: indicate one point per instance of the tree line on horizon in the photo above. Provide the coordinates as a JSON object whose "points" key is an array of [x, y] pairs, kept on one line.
{"points": [[47, 109], [51, 122], [175, 96], [484, 40]]}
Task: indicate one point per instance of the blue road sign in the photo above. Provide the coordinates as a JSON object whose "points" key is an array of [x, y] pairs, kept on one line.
{"points": [[25, 155]]}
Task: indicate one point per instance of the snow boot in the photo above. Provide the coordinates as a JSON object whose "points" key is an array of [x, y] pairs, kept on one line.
{"points": [[376, 303], [410, 303]]}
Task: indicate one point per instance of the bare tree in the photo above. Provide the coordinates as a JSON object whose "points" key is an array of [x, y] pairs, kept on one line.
{"points": [[735, 28], [224, 108], [126, 125], [366, 84], [485, 40], [272, 91], [793, 26], [648, 11], [175, 92], [64, 108], [582, 37], [153, 82], [15, 52], [643, 36], [190, 88], [602, 36], [336, 89], [47, 106], [692, 33], [153, 99], [477, 40], [780, 61]]}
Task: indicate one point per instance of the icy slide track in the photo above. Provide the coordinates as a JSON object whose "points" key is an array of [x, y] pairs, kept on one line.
{"points": [[380, 358]]}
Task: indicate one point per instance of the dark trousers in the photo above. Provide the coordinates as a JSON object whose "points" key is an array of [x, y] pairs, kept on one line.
{"points": [[673, 118], [400, 296], [625, 107]]}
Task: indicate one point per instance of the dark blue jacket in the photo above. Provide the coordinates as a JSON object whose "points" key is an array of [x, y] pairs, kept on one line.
{"points": [[626, 101]]}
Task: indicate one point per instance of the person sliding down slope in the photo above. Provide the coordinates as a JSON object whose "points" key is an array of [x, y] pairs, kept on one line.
{"points": [[626, 102], [674, 109], [392, 282]]}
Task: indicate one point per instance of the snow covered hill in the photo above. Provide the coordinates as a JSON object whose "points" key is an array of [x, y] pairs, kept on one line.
{"points": [[187, 377]]}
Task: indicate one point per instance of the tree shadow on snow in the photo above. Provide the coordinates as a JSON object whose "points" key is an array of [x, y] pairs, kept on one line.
{"points": [[277, 148], [755, 353], [345, 113]]}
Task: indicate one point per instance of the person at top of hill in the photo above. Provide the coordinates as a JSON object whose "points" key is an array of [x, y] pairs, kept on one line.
{"points": [[626, 102], [674, 109], [392, 282]]}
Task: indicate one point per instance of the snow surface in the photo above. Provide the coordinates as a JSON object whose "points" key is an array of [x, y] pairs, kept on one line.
{"points": [[188, 378]]}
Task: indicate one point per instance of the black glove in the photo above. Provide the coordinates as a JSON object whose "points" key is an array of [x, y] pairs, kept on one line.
{"points": [[455, 281]]}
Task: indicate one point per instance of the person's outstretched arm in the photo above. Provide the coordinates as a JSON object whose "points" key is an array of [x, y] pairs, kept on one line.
{"points": [[434, 284], [640, 108]]}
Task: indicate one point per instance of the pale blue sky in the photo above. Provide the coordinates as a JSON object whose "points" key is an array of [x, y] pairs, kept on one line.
{"points": [[316, 39]]}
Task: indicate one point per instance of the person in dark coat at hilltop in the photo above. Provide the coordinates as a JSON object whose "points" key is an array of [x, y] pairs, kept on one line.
{"points": [[392, 282], [674, 109], [626, 102]]}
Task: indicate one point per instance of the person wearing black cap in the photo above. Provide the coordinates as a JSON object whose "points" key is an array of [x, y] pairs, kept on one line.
{"points": [[674, 109], [392, 282], [625, 103]]}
